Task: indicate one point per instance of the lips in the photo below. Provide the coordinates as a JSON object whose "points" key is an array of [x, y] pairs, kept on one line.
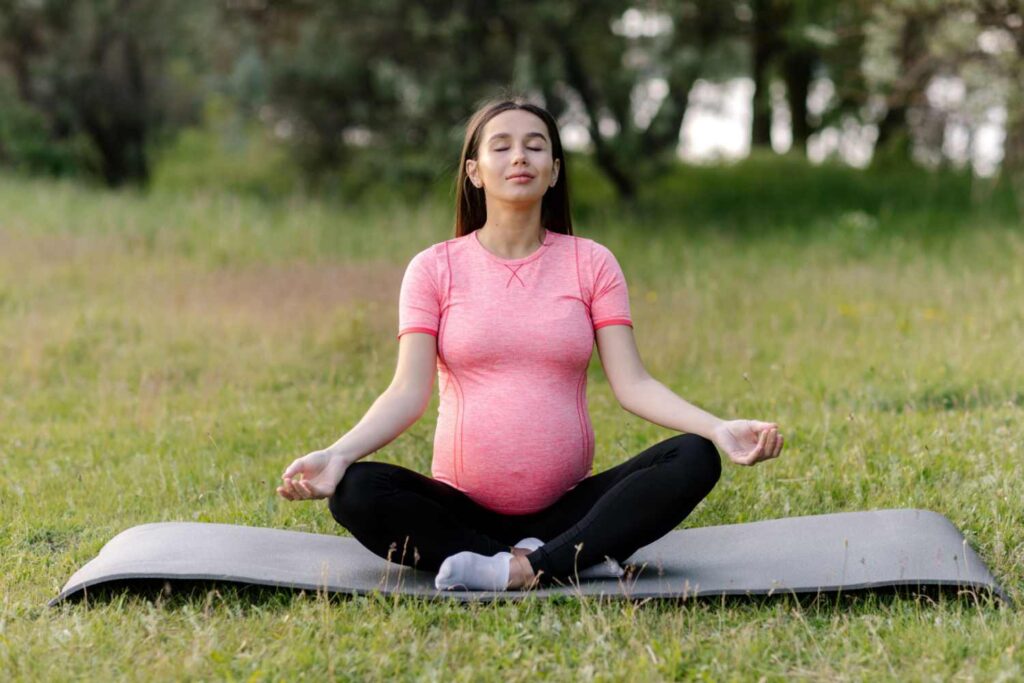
{"points": [[519, 175]]}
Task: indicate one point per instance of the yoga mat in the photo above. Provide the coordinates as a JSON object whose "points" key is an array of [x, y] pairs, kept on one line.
{"points": [[815, 554]]}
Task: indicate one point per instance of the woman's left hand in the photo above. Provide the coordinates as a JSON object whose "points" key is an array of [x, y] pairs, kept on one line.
{"points": [[748, 442]]}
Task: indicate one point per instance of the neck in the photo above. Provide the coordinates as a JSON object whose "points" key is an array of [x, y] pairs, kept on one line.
{"points": [[512, 232]]}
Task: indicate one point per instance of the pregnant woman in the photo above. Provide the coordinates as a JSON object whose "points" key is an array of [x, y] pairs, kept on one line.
{"points": [[507, 313]]}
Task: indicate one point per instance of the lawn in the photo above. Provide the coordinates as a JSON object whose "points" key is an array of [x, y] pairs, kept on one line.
{"points": [[163, 357]]}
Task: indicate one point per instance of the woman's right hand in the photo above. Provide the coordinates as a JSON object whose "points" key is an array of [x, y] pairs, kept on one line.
{"points": [[314, 475], [748, 442]]}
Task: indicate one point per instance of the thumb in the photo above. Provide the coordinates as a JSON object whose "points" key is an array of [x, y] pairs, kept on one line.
{"points": [[761, 426]]}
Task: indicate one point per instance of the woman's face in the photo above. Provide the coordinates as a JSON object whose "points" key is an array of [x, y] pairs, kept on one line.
{"points": [[514, 160]]}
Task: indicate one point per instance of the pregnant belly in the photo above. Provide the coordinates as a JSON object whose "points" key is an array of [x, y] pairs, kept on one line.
{"points": [[511, 453]]}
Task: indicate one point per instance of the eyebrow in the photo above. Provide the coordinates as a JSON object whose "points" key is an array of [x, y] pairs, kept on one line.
{"points": [[528, 135]]}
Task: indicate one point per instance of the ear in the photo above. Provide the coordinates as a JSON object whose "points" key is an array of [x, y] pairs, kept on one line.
{"points": [[471, 172], [554, 172]]}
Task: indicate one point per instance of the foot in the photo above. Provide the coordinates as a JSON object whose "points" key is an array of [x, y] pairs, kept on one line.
{"points": [[526, 546], [608, 568], [472, 571], [520, 572]]}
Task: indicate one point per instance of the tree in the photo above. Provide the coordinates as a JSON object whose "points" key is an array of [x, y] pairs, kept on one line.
{"points": [[795, 40], [911, 43], [100, 68], [379, 83], [914, 70], [1005, 19], [395, 78], [605, 68], [766, 48]]}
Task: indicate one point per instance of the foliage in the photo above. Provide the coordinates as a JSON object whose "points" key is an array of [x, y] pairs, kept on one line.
{"points": [[365, 90], [26, 144], [767, 192], [106, 71], [227, 153]]}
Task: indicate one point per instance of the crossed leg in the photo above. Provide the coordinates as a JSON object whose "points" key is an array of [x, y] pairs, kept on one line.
{"points": [[417, 521]]}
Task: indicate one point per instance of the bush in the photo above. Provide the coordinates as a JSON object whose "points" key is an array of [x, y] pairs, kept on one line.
{"points": [[769, 192], [27, 144], [226, 152]]}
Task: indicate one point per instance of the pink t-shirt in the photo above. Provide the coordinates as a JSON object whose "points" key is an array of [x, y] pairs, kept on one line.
{"points": [[514, 339]]}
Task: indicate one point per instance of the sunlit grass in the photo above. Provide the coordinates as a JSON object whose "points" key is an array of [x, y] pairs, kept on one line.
{"points": [[163, 357]]}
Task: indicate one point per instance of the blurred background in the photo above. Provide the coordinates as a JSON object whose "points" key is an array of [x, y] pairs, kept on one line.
{"points": [[367, 99]]}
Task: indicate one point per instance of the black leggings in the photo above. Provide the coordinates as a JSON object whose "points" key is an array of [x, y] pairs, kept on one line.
{"points": [[411, 519]]}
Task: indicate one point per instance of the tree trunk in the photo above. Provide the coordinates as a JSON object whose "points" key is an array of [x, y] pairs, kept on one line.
{"points": [[624, 183], [763, 49], [894, 139], [1012, 168], [663, 133], [798, 68], [112, 107]]}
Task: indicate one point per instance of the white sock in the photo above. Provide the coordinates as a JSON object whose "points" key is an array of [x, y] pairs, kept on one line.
{"points": [[472, 571], [530, 544], [608, 569]]}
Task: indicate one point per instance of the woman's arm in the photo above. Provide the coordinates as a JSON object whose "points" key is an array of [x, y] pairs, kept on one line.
{"points": [[400, 405], [317, 474], [641, 394], [746, 442]]}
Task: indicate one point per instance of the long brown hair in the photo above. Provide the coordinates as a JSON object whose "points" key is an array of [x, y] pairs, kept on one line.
{"points": [[470, 204]]}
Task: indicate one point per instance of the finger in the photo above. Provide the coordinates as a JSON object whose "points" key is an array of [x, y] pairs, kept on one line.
{"points": [[772, 451], [292, 486], [304, 486], [287, 485], [778, 448], [754, 455], [766, 445], [292, 469], [284, 494]]}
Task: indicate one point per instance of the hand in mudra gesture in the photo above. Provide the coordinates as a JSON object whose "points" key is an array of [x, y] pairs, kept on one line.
{"points": [[314, 475], [748, 442]]}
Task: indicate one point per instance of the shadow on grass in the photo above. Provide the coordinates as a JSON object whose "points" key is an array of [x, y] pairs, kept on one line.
{"points": [[179, 593]]}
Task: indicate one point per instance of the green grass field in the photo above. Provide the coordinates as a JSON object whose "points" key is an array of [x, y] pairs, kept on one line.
{"points": [[164, 357]]}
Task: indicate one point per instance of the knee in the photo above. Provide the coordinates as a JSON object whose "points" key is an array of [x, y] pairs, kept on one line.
{"points": [[700, 459], [357, 493]]}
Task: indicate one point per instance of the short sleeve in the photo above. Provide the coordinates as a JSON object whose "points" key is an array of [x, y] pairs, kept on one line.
{"points": [[419, 300], [610, 303]]}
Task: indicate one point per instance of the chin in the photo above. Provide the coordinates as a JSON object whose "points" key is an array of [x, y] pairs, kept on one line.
{"points": [[521, 197], [527, 192]]}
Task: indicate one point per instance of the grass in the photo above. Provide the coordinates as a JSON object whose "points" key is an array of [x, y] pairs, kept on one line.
{"points": [[164, 356]]}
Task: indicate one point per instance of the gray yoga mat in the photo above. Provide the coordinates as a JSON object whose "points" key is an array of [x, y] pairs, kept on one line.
{"points": [[815, 554]]}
